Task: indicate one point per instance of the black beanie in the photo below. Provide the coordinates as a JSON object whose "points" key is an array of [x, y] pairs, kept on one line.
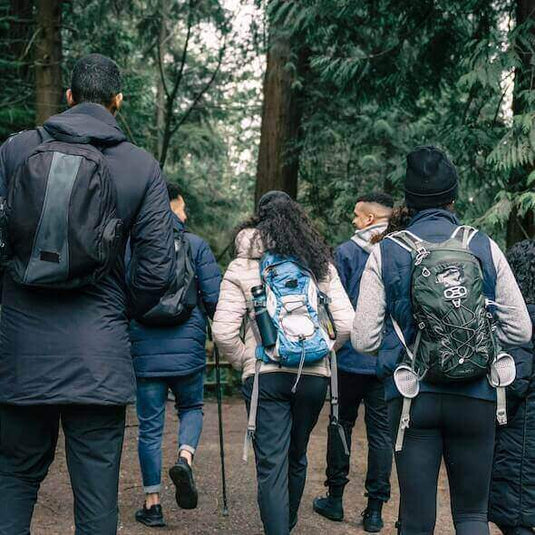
{"points": [[431, 179]]}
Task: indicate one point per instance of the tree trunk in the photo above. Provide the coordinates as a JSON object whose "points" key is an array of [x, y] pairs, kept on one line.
{"points": [[278, 157], [48, 84], [160, 91], [521, 227]]}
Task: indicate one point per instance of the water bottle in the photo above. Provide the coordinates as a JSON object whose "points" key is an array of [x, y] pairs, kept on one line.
{"points": [[268, 331]]}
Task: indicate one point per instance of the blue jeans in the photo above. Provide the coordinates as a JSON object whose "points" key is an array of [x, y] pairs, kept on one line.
{"points": [[151, 400]]}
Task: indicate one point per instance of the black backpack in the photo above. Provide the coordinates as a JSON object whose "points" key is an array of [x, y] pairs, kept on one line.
{"points": [[176, 306], [58, 225]]}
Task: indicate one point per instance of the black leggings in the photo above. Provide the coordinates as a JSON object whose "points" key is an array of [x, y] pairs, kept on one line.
{"points": [[460, 430]]}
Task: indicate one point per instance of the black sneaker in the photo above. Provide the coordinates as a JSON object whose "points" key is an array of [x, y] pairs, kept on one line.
{"points": [[372, 521], [186, 491], [330, 507], [152, 517]]}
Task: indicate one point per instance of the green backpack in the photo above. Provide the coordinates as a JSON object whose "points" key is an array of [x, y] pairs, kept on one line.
{"points": [[455, 339]]}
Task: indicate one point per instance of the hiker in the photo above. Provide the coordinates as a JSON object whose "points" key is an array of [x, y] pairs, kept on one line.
{"points": [[431, 289], [65, 353], [279, 255], [173, 357], [358, 382], [512, 490]]}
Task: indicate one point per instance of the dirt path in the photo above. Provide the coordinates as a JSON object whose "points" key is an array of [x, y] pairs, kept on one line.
{"points": [[53, 513]]}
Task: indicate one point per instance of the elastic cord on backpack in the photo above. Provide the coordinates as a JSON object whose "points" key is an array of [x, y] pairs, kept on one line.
{"points": [[300, 369]]}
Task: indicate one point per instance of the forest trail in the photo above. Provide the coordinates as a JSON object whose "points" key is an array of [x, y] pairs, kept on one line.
{"points": [[53, 513]]}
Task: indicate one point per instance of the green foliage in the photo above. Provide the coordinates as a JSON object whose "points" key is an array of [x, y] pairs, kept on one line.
{"points": [[213, 151], [388, 75]]}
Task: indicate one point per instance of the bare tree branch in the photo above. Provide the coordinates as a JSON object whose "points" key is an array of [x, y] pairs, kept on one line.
{"points": [[201, 93]]}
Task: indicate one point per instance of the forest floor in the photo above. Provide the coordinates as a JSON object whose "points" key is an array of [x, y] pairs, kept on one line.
{"points": [[53, 513]]}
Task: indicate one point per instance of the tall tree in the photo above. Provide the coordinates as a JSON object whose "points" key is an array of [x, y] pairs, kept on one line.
{"points": [[160, 89], [278, 157], [48, 55], [521, 223]]}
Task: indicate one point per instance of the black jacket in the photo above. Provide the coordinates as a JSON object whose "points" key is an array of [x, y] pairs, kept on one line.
{"points": [[512, 493], [73, 346]]}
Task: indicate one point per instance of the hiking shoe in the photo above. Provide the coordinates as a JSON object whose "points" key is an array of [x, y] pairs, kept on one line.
{"points": [[152, 517], [372, 520], [330, 507], [186, 492]]}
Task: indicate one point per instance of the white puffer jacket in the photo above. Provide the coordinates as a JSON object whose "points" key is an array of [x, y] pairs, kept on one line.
{"points": [[243, 274]]}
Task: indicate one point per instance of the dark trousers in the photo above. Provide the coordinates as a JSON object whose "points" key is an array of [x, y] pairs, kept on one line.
{"points": [[460, 430], [353, 390], [93, 445], [283, 426]]}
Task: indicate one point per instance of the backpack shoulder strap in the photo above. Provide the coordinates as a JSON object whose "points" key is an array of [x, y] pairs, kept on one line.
{"points": [[464, 234], [406, 239], [45, 134]]}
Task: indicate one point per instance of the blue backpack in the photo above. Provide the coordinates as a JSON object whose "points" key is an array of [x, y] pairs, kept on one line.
{"points": [[305, 330], [296, 306]]}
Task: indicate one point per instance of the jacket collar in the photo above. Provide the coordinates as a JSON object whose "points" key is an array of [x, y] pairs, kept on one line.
{"points": [[86, 123], [435, 214], [362, 237], [97, 111], [178, 224]]}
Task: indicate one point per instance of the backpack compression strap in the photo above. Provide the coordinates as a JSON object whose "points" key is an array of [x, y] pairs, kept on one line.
{"points": [[405, 416]]}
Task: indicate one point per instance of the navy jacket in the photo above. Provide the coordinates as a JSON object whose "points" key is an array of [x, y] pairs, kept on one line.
{"points": [[180, 350], [350, 261], [435, 226], [512, 491], [73, 346]]}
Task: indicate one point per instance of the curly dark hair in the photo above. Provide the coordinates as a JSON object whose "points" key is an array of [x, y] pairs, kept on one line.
{"points": [[399, 220], [285, 229], [521, 258]]}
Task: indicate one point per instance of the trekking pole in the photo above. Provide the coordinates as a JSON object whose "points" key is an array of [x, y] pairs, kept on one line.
{"points": [[220, 420]]}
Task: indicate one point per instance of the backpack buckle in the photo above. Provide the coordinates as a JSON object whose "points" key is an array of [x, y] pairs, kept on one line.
{"points": [[421, 255], [455, 294]]}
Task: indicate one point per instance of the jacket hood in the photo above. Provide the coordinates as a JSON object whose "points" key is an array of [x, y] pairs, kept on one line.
{"points": [[248, 244], [362, 237], [86, 123]]}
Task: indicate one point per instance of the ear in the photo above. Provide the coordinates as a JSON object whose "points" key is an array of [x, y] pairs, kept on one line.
{"points": [[116, 103], [70, 98]]}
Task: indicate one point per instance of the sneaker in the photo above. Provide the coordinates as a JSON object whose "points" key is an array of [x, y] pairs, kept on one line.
{"points": [[186, 492], [372, 520], [330, 507], [152, 517]]}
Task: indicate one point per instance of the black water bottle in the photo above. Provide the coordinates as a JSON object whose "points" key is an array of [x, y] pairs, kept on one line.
{"points": [[268, 331]]}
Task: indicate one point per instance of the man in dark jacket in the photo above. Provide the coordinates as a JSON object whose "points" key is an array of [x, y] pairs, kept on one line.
{"points": [[358, 382], [174, 358], [65, 355]]}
